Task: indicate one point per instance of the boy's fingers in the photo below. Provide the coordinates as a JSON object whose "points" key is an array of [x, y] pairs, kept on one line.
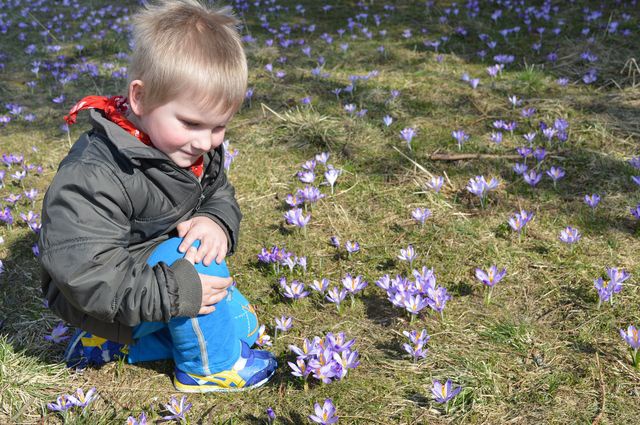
{"points": [[207, 309], [190, 256], [216, 282], [187, 242], [183, 227], [216, 297], [220, 256]]}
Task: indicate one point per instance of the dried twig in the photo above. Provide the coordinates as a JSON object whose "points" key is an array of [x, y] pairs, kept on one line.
{"points": [[603, 390]]}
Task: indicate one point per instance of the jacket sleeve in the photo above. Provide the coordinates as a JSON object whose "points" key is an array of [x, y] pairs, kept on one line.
{"points": [[221, 206], [84, 248]]}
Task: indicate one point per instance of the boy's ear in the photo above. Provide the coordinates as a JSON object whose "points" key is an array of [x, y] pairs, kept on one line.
{"points": [[135, 96]]}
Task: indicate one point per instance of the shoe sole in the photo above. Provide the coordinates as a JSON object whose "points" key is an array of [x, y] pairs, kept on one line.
{"points": [[183, 388]]}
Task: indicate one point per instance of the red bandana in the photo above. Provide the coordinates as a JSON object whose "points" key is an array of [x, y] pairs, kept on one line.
{"points": [[114, 108]]}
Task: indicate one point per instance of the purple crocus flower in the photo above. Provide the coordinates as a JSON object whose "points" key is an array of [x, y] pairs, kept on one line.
{"points": [[306, 176], [524, 151], [529, 137], [284, 323], [331, 175], [325, 414], [460, 136], [532, 177], [352, 247], [631, 337], [491, 276], [635, 211], [296, 217], [31, 194], [437, 298], [616, 278], [6, 216], [539, 154], [310, 194], [58, 334], [271, 415], [415, 303], [299, 368], [592, 200], [435, 183], [80, 399], [556, 173], [570, 235], [62, 404], [387, 120], [294, 291], [496, 137], [480, 187], [336, 296], [604, 290], [409, 254], [293, 200], [520, 168], [528, 112], [421, 215], [407, 134], [322, 157], [444, 393], [334, 241], [634, 162], [320, 285], [263, 340], [177, 409], [353, 285], [141, 420], [519, 220]]}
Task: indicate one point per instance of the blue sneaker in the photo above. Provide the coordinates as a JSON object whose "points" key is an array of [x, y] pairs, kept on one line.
{"points": [[252, 370], [85, 350]]}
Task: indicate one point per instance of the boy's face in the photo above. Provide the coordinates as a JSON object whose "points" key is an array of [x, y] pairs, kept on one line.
{"points": [[182, 130]]}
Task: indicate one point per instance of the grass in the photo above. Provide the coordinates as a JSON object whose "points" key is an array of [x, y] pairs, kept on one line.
{"points": [[541, 351]]}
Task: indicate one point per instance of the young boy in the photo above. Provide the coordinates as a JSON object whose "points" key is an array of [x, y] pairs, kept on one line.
{"points": [[147, 179]]}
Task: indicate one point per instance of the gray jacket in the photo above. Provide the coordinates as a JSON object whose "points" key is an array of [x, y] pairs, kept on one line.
{"points": [[111, 202]]}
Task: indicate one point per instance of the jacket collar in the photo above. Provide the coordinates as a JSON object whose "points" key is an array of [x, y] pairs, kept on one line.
{"points": [[132, 148], [127, 145]]}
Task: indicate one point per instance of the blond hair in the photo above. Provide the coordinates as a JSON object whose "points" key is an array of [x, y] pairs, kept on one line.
{"points": [[185, 47]]}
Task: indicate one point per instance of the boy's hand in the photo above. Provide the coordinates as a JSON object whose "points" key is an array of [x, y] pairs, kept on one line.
{"points": [[213, 240], [214, 289]]}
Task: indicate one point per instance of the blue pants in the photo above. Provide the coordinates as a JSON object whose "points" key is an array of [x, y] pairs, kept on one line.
{"points": [[204, 344]]}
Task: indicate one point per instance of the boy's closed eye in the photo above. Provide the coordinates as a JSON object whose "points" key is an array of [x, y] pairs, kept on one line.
{"points": [[193, 124]]}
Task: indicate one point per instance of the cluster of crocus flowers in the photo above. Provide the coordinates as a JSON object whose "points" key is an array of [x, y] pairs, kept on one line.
{"points": [[327, 359], [519, 220], [489, 278], [78, 399], [480, 187], [415, 295], [281, 257], [606, 288], [417, 348]]}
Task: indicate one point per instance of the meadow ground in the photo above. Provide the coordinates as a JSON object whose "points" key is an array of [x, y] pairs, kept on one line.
{"points": [[541, 351]]}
